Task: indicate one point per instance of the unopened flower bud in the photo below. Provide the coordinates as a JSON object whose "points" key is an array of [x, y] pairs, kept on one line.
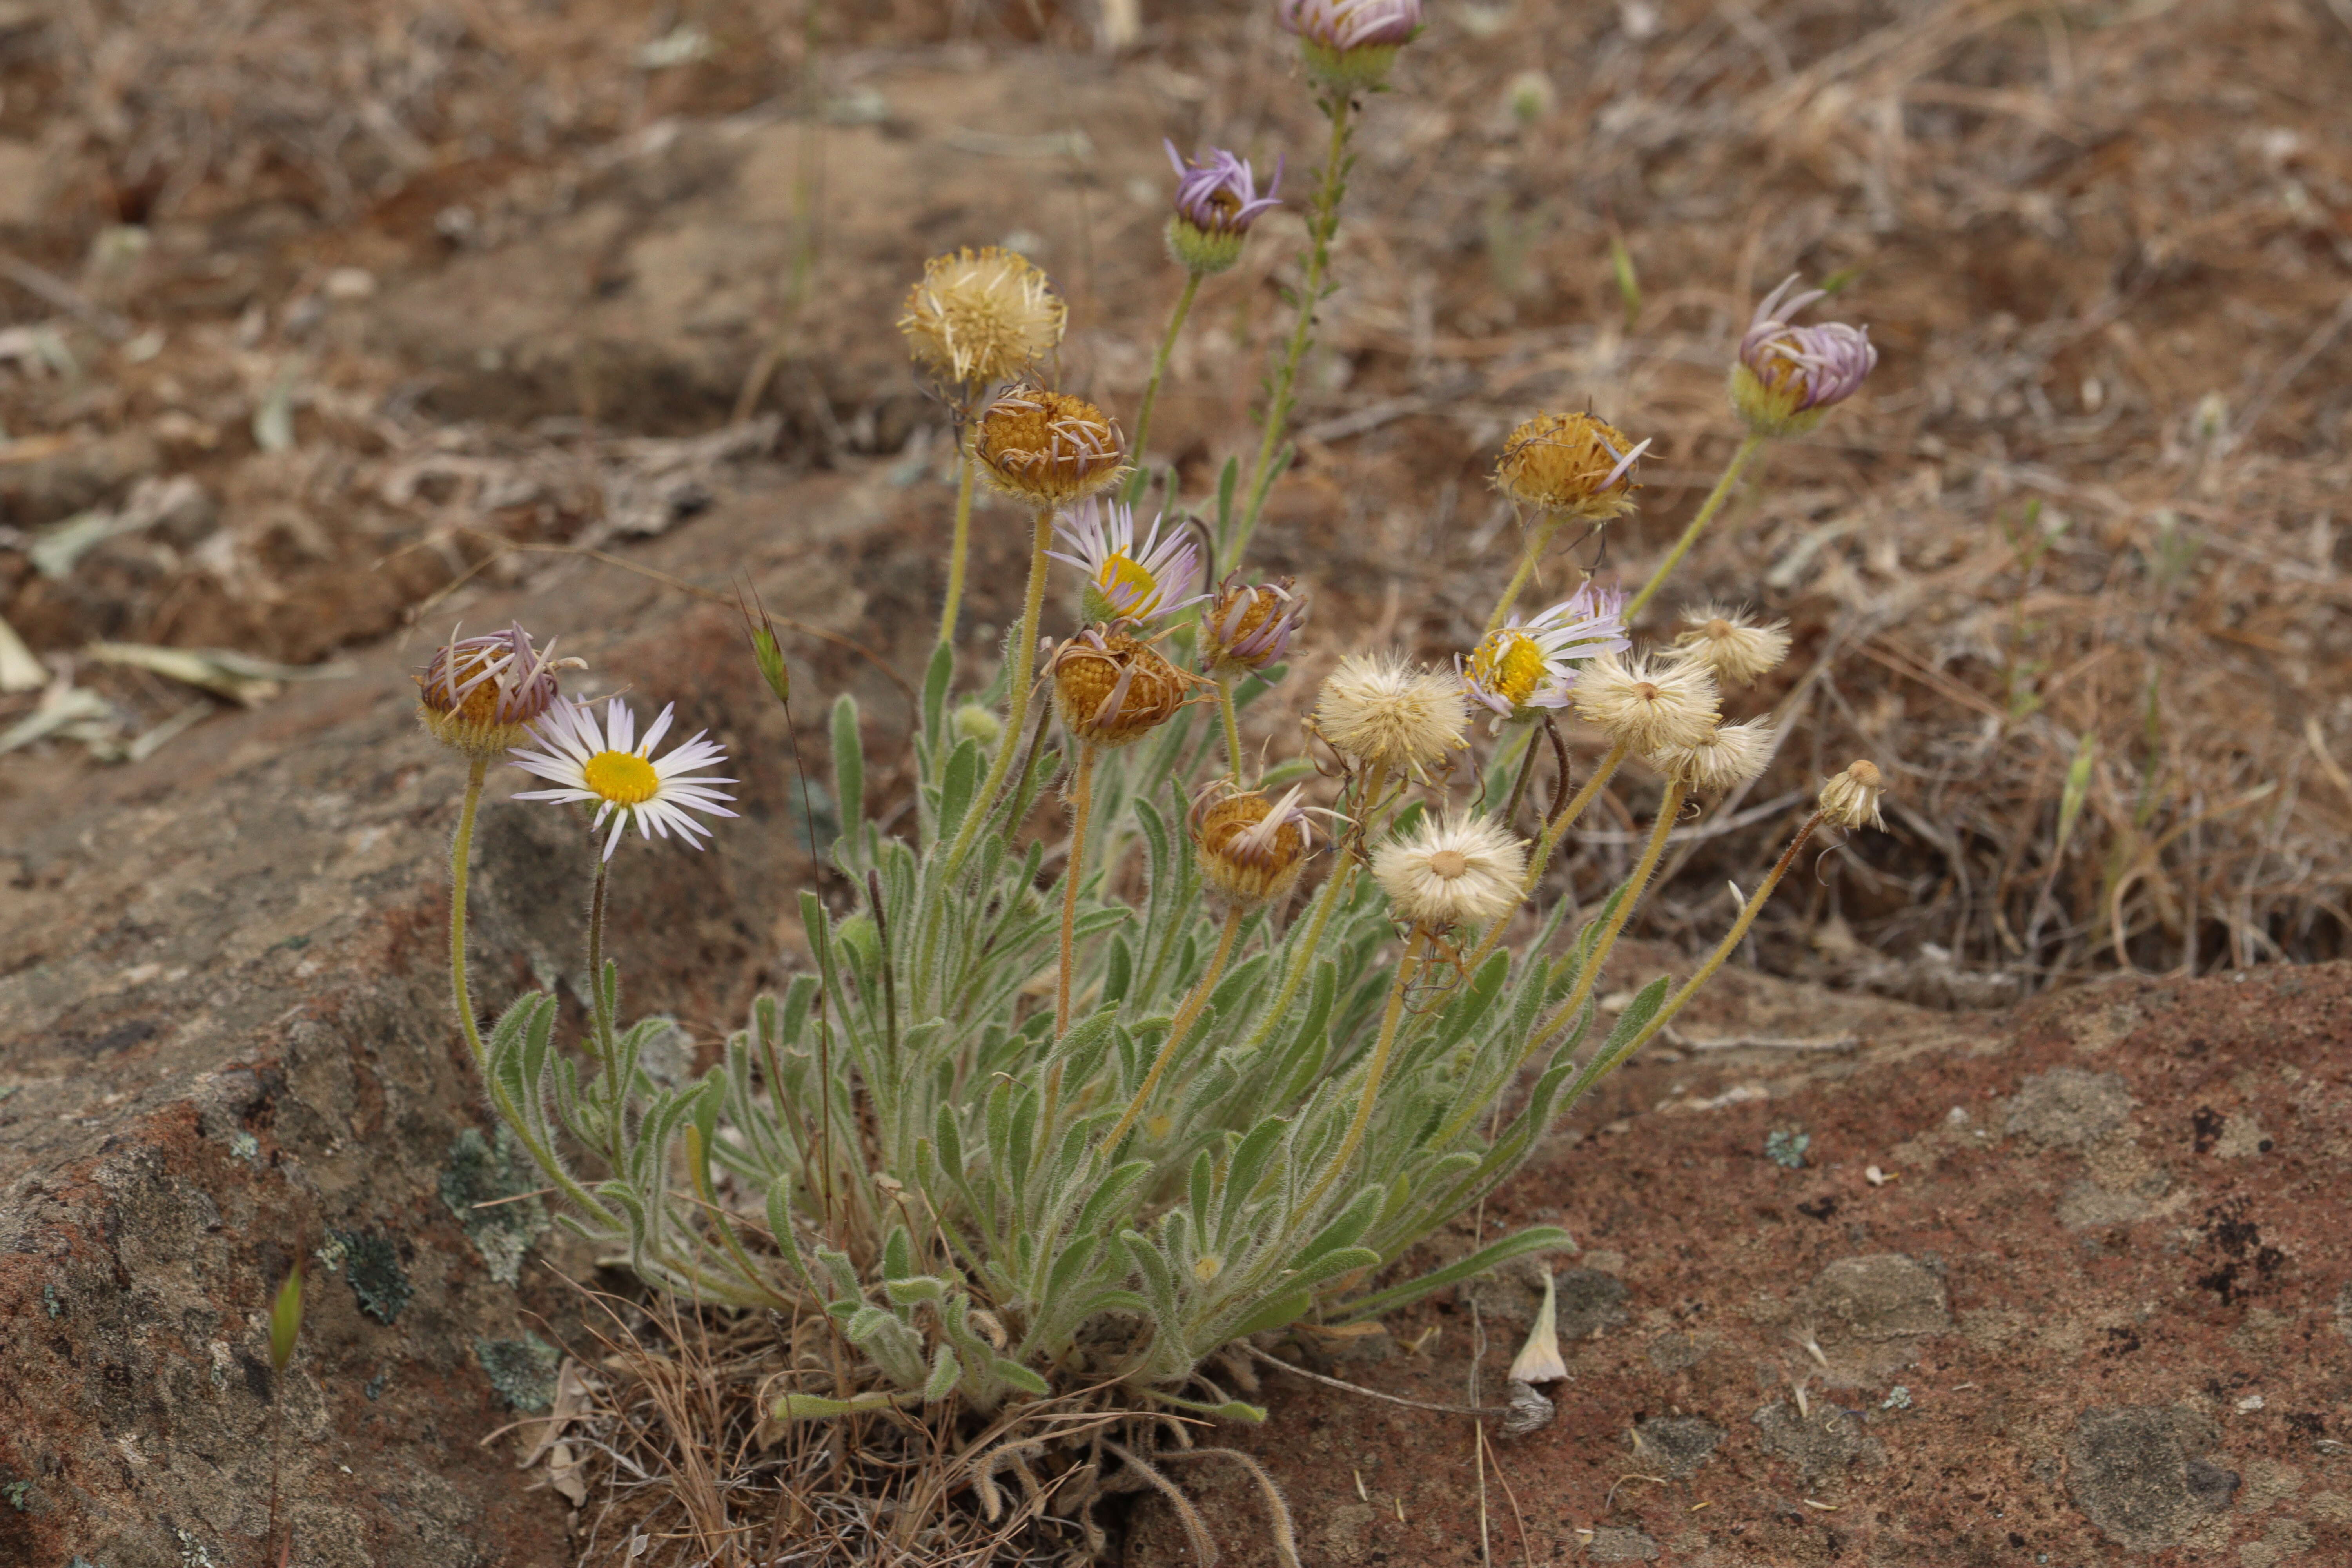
{"points": [[1047, 447], [1110, 688], [1788, 377], [1216, 202], [977, 721], [1851, 799], [1351, 46], [1249, 625], [1571, 465], [480, 695]]}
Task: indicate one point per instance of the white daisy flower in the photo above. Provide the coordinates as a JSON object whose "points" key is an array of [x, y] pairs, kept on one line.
{"points": [[1126, 581], [610, 766]]}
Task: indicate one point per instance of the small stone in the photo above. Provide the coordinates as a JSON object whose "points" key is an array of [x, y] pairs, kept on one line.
{"points": [[1822, 1439], [2242, 1137], [2135, 1472], [1589, 1301], [1886, 1296], [1620, 1545], [2067, 1107], [1678, 1445]]}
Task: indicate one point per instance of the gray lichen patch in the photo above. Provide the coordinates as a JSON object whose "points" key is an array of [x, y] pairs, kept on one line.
{"points": [[1866, 1318], [2138, 1473], [522, 1371], [488, 1187], [2067, 1107], [1820, 1440], [372, 1264], [1677, 1445]]}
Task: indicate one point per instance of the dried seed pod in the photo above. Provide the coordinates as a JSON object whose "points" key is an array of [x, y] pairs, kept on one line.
{"points": [[1047, 447], [1571, 465], [1110, 688]]}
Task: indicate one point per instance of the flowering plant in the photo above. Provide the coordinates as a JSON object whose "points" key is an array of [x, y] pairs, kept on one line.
{"points": [[1018, 1131]]}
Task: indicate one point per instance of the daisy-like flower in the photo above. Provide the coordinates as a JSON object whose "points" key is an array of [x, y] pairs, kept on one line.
{"points": [[1727, 755], [1521, 666], [479, 695], [982, 315], [608, 764], [1250, 625], [1734, 644], [1216, 202], [1851, 799], [1570, 465], [1111, 689], [1251, 850], [1646, 706], [1786, 377], [1126, 581], [1452, 871], [1385, 711], [1047, 447], [1349, 46]]}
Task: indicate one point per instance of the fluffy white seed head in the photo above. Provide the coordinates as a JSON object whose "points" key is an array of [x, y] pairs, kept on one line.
{"points": [[1383, 710], [1851, 799], [1729, 754], [1452, 871], [1734, 644], [1652, 707]]}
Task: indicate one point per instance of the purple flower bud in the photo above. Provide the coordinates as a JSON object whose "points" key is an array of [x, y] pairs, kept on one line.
{"points": [[1218, 193], [1789, 377], [1344, 25]]}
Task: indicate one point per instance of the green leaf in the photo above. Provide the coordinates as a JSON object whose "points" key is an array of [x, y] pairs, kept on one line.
{"points": [[1231, 1410], [848, 766], [945, 1369], [1636, 1016], [957, 785], [1538, 1238], [1021, 1377], [286, 1318], [937, 677], [816, 1407]]}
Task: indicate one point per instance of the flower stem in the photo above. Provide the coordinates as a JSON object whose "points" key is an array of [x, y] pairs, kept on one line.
{"points": [[461, 854], [1021, 654], [1748, 913], [1368, 1095], [1333, 892], [1233, 727], [1180, 1026], [1669, 807], [961, 547], [1151, 387], [601, 1019], [1322, 223], [1082, 800], [1537, 863], [1538, 538], [1707, 509]]}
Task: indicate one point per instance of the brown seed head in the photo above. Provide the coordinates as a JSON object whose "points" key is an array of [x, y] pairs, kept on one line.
{"points": [[1110, 688], [480, 695], [1047, 447], [982, 315], [1251, 850], [1249, 625], [1574, 465]]}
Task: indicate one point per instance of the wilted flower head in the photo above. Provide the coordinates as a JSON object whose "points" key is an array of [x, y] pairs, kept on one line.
{"points": [[1851, 799], [1387, 712], [479, 695], [1732, 643], [1525, 665], [1111, 689], [982, 315], [1725, 756], [1250, 625], [1048, 447], [1125, 581], [1647, 707], [1788, 377], [609, 765], [1251, 850], [1216, 202], [1453, 871], [1349, 46], [1574, 465]]}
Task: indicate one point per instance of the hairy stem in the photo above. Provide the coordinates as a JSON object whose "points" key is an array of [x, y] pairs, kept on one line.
{"points": [[461, 854], [1369, 1094], [1669, 807], [1553, 831], [1333, 892], [1082, 800], [1020, 654], [1322, 223], [1233, 727], [1707, 509], [1180, 1026], [601, 1020], [1538, 538], [962, 548], [1158, 368]]}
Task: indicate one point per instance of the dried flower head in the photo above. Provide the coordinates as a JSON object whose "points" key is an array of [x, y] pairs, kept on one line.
{"points": [[1385, 711], [1727, 755], [1047, 447], [609, 765], [1522, 666], [1351, 46], [1249, 625], [479, 695], [1126, 581], [1734, 644], [1251, 850], [1216, 202], [1851, 799], [1453, 871], [982, 315], [1111, 689], [1788, 377], [1571, 465], [1648, 707]]}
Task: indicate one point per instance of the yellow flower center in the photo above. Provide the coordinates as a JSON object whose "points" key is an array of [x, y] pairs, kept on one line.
{"points": [[1449, 864], [1509, 665], [1126, 581], [622, 777]]}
